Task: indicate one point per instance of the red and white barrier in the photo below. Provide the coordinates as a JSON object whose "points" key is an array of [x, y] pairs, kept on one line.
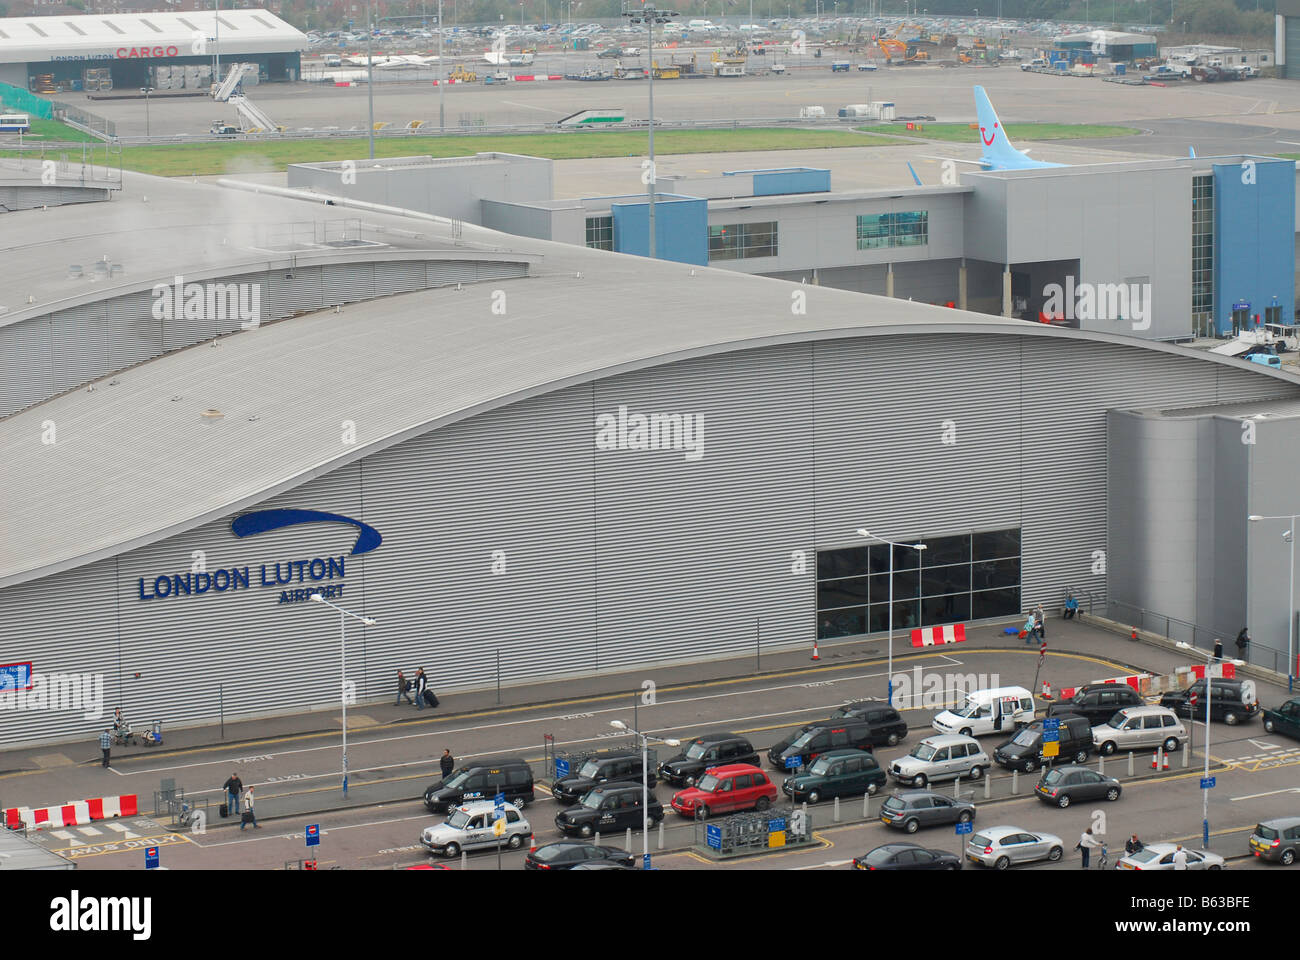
{"points": [[538, 76], [932, 636], [75, 814], [1149, 685]]}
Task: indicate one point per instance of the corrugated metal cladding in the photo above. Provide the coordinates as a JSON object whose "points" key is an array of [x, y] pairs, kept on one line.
{"points": [[619, 557], [44, 356]]}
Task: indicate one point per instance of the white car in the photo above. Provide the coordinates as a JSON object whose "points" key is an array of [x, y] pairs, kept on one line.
{"points": [[1000, 847], [1160, 856], [469, 827]]}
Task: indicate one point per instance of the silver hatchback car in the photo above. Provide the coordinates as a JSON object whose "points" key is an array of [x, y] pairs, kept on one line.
{"points": [[1000, 847], [943, 757]]}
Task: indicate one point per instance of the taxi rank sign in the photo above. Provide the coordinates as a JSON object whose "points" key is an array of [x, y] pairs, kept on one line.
{"points": [[280, 574]]}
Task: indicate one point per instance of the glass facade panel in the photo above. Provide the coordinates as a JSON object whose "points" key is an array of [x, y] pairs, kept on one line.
{"points": [[906, 229], [962, 577], [1203, 255], [742, 241], [600, 233]]}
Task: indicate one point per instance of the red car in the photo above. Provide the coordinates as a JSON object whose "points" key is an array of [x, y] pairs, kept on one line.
{"points": [[728, 789]]}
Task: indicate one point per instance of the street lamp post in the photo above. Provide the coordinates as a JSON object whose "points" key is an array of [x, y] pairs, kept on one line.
{"points": [[1290, 537], [915, 546], [645, 783], [146, 91], [1205, 776], [343, 659], [442, 78], [651, 15], [370, 76]]}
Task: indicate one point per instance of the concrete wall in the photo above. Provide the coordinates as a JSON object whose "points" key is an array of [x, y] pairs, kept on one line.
{"points": [[1254, 238], [452, 187], [519, 219], [1272, 491]]}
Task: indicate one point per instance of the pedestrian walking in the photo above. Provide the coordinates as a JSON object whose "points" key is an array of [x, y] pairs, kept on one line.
{"points": [[106, 744], [234, 789], [248, 816], [403, 689], [421, 681], [446, 762], [1087, 843], [1039, 625], [1027, 631], [1243, 641], [1218, 649], [1180, 858]]}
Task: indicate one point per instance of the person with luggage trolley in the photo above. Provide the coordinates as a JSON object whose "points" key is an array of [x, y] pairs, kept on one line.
{"points": [[423, 695]]}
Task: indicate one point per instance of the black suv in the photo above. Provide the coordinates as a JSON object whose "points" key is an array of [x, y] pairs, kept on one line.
{"points": [[605, 809], [708, 750], [1230, 700], [779, 747], [622, 767], [481, 781], [1098, 702], [812, 743], [1024, 751], [887, 726]]}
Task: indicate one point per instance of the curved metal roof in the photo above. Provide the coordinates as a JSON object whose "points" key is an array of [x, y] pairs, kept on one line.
{"points": [[136, 460]]}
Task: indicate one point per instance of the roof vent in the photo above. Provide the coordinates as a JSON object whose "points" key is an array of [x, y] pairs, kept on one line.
{"points": [[75, 272], [211, 415], [116, 270]]}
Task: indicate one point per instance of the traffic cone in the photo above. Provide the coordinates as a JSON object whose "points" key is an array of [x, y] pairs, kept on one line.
{"points": [[1047, 690], [1134, 634], [814, 656], [532, 843], [1154, 761], [1166, 766]]}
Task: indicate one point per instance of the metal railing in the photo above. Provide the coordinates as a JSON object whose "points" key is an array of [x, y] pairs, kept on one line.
{"points": [[1198, 635], [82, 164]]}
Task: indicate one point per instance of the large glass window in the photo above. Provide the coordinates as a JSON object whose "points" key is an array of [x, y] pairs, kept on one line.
{"points": [[1203, 255], [907, 229], [963, 577], [600, 233], [742, 241]]}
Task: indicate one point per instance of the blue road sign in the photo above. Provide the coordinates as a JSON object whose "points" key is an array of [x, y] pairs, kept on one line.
{"points": [[151, 858], [1207, 782], [1052, 724], [776, 825], [713, 835], [499, 799], [792, 763], [561, 767], [965, 827], [1051, 736], [313, 834], [645, 862]]}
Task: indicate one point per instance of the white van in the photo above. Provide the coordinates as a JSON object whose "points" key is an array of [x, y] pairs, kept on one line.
{"points": [[1002, 709]]}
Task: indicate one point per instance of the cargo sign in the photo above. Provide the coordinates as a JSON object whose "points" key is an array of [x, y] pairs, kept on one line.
{"points": [[279, 574]]}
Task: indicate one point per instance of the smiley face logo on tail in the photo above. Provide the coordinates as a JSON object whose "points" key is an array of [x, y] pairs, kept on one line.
{"points": [[988, 140]]}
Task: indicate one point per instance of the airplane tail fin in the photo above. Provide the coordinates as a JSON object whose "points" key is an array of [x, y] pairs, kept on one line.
{"points": [[1191, 152], [997, 147]]}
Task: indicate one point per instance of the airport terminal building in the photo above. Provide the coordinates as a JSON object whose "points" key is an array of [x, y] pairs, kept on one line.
{"points": [[118, 51], [996, 242], [549, 460]]}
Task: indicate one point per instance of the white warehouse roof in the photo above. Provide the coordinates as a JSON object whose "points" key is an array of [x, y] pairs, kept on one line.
{"points": [[121, 36]]}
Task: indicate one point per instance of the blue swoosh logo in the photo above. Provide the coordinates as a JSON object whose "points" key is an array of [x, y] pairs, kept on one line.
{"points": [[261, 521]]}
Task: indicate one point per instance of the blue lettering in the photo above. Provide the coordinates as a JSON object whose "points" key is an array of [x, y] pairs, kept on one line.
{"points": [[312, 569], [288, 574], [166, 588], [202, 582], [181, 581], [142, 594], [237, 577], [336, 565], [265, 582], [284, 596], [221, 580], [300, 564]]}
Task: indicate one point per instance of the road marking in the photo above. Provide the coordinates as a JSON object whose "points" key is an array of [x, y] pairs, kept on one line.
{"points": [[1260, 745], [90, 832], [1254, 796], [78, 850], [67, 835], [119, 827], [324, 832]]}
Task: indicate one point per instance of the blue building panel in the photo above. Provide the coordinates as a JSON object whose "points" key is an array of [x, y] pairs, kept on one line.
{"points": [[785, 180], [1254, 239], [681, 228]]}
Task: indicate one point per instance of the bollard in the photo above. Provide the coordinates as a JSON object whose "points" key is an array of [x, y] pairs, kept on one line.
{"points": [[628, 845], [661, 834], [596, 838], [1130, 763], [836, 814], [956, 788], [866, 806], [1186, 756], [988, 783], [1101, 763], [1015, 782], [464, 860]]}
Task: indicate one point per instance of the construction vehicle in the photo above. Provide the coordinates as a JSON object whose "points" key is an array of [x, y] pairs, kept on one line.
{"points": [[222, 129], [907, 52], [729, 63], [460, 75], [669, 72]]}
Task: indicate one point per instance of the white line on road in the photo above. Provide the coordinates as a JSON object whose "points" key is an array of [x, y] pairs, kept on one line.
{"points": [[1258, 743], [1270, 793], [529, 106], [296, 836]]}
